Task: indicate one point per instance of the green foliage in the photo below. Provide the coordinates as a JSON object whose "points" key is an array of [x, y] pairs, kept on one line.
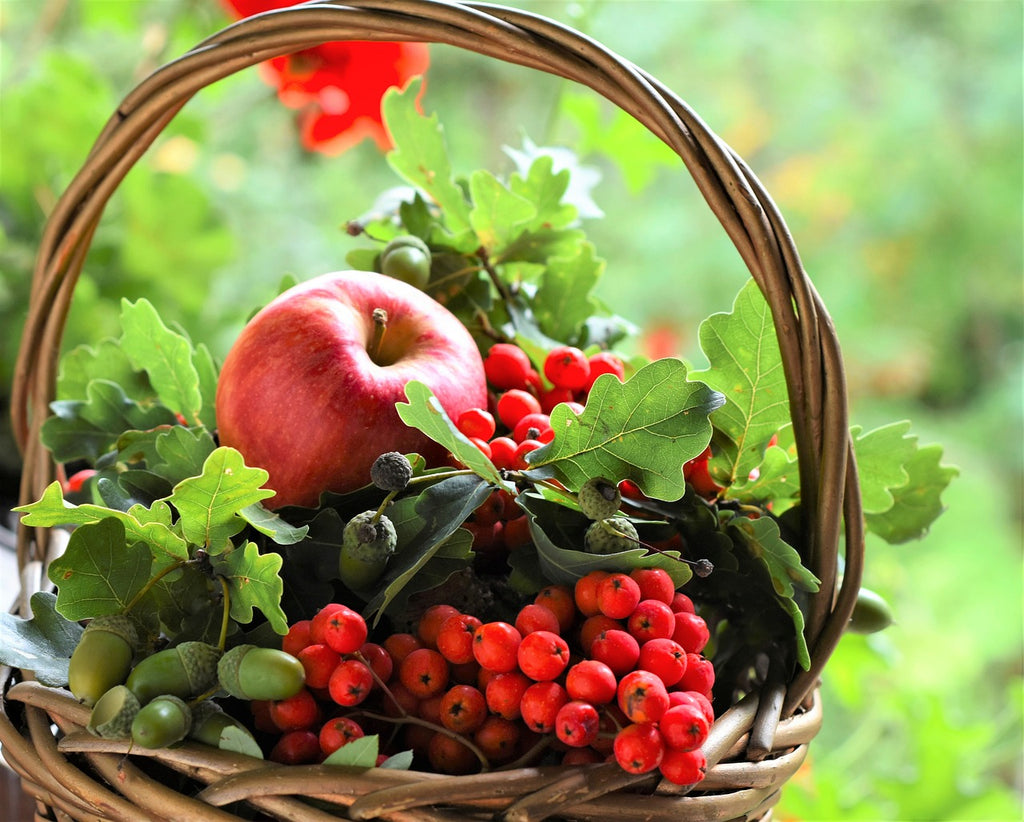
{"points": [[41, 644]]}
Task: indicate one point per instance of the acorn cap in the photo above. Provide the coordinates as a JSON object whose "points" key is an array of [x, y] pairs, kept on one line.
{"points": [[118, 624], [113, 713], [610, 535], [199, 659]]}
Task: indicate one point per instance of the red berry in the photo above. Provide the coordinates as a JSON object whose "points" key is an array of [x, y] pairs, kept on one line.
{"points": [[617, 595], [567, 367], [560, 600], [476, 423], [699, 675], [691, 631], [495, 645], [543, 655], [455, 638], [651, 619], [74, 483], [592, 628], [504, 693], [319, 623], [665, 658], [337, 732], [503, 452], [319, 662], [379, 660], [297, 637], [345, 630], [431, 621], [617, 649], [515, 404], [642, 696], [585, 592], [540, 704], [535, 617], [683, 767], [296, 748], [506, 366], [549, 399], [695, 698], [592, 681], [517, 532], [684, 727], [350, 683], [577, 723], [450, 756], [639, 748], [604, 362], [295, 713], [401, 645], [655, 583], [463, 709], [681, 603], [519, 461], [424, 672], [497, 738], [531, 427]]}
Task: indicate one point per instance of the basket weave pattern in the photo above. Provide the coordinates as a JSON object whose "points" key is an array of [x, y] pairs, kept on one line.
{"points": [[754, 747]]}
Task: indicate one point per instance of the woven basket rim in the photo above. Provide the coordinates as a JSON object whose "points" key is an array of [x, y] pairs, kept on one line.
{"points": [[808, 343]]}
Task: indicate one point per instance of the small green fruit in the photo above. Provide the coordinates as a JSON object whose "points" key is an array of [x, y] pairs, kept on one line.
{"points": [[599, 498], [610, 536], [407, 258], [102, 658], [871, 613], [186, 670], [366, 547], [113, 713], [163, 721], [251, 672]]}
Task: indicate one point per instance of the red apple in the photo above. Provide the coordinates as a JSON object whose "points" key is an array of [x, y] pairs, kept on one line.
{"points": [[308, 390]]}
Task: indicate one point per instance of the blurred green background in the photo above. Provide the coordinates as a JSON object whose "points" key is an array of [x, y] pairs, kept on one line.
{"points": [[890, 135]]}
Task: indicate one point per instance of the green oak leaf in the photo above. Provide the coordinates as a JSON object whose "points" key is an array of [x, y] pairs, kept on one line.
{"points": [[763, 539], [100, 572], [420, 156], [498, 215], [208, 373], [150, 526], [424, 524], [881, 455], [643, 430], [42, 644], [209, 504], [253, 581], [359, 753], [746, 367], [181, 452], [164, 355], [777, 481], [545, 189], [917, 502], [106, 361], [272, 525], [563, 303], [86, 428], [424, 412]]}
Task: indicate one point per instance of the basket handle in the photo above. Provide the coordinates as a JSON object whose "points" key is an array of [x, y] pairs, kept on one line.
{"points": [[810, 349]]}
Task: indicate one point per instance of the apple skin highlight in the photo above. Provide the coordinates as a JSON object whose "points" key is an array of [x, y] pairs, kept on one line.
{"points": [[300, 396]]}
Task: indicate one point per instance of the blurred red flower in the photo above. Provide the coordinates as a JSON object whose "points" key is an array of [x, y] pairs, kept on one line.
{"points": [[337, 87]]}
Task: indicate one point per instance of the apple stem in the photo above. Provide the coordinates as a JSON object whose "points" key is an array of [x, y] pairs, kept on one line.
{"points": [[380, 326]]}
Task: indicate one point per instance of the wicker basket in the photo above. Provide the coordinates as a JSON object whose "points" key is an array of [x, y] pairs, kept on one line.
{"points": [[754, 747]]}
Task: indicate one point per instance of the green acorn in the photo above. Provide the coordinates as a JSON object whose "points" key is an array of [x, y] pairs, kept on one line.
{"points": [[185, 670], [368, 542], [113, 713], [251, 672], [163, 721], [610, 536], [103, 657], [599, 498]]}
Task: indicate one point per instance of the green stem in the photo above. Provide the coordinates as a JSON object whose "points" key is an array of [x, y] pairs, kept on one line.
{"points": [[181, 563], [225, 620]]}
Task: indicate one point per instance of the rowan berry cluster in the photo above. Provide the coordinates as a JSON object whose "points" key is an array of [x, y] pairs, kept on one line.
{"points": [[610, 669]]}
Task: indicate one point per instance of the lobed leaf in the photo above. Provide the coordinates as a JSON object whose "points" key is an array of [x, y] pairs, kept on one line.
{"points": [[498, 215], [42, 644], [643, 430], [916, 503], [254, 581]]}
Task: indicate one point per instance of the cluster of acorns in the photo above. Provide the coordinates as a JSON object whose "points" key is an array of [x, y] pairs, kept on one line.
{"points": [[608, 669]]}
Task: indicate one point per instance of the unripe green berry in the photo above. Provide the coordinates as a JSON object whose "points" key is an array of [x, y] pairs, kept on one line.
{"points": [[186, 670], [407, 258], [599, 498], [251, 672], [102, 657], [163, 721], [610, 536], [391, 471], [113, 713], [871, 613], [367, 544]]}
